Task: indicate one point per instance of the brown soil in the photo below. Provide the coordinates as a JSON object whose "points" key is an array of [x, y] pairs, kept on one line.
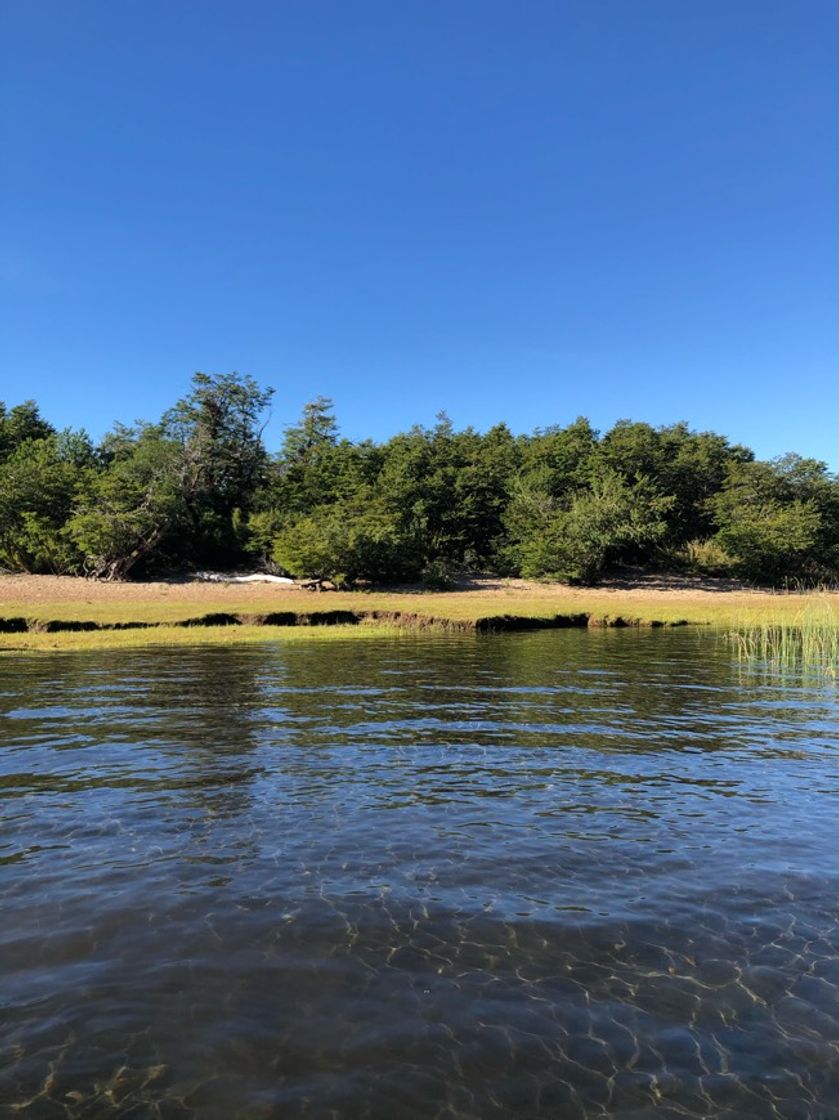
{"points": [[26, 590]]}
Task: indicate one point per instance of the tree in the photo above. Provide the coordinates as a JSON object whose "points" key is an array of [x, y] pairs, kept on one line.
{"points": [[176, 484], [778, 520], [690, 466], [576, 541], [38, 483], [604, 520], [219, 426], [317, 429], [19, 425], [449, 490], [314, 467], [129, 509], [559, 458]]}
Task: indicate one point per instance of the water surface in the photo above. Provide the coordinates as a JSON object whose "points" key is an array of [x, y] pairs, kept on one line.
{"points": [[561, 874]]}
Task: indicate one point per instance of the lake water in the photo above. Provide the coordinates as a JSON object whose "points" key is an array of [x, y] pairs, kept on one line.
{"points": [[561, 874]]}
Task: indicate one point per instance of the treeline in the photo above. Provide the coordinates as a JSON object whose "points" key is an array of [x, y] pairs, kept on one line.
{"points": [[198, 489]]}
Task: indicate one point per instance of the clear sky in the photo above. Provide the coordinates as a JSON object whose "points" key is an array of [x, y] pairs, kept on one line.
{"points": [[517, 210]]}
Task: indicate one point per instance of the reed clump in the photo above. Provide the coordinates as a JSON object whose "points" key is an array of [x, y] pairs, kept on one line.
{"points": [[807, 641]]}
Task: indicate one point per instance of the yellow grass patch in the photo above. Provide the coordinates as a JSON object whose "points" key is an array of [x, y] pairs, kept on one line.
{"points": [[36, 602], [173, 636]]}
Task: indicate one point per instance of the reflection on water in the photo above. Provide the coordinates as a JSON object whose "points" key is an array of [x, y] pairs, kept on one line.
{"points": [[561, 874]]}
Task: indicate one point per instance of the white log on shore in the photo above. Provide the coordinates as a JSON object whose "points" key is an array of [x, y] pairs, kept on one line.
{"points": [[257, 577]]}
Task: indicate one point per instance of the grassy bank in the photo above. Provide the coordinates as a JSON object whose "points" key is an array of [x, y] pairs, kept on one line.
{"points": [[46, 612], [174, 636]]}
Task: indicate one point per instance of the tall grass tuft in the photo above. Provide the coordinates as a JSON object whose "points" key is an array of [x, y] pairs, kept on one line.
{"points": [[808, 641]]}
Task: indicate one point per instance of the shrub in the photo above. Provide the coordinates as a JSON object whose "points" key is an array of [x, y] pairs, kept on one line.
{"points": [[705, 556], [344, 542], [439, 575]]}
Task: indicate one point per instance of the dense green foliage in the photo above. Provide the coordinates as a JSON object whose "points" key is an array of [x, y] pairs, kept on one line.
{"points": [[198, 489]]}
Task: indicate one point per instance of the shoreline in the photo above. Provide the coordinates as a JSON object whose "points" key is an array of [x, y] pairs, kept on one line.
{"points": [[65, 612]]}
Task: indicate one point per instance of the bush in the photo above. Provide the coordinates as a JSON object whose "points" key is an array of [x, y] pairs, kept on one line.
{"points": [[439, 575], [705, 556], [344, 542]]}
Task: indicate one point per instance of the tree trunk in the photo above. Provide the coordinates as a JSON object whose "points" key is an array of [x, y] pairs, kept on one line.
{"points": [[118, 569]]}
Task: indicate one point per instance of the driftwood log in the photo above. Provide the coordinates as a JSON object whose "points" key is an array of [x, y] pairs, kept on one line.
{"points": [[317, 585], [256, 577]]}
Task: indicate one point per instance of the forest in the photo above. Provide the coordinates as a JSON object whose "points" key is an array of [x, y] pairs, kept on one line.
{"points": [[198, 489]]}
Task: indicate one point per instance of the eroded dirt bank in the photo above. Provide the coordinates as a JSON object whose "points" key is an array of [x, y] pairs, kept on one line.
{"points": [[53, 604]]}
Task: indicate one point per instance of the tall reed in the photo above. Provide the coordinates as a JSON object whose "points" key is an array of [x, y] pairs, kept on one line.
{"points": [[808, 641]]}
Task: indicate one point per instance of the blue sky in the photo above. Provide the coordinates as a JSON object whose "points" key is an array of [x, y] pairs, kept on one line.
{"points": [[521, 211]]}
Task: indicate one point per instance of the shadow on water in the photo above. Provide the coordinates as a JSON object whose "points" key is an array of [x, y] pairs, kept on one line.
{"points": [[555, 874]]}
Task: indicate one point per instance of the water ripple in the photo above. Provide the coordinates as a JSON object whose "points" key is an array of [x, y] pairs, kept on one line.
{"points": [[557, 874]]}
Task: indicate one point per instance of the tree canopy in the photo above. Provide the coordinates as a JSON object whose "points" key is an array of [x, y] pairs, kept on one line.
{"points": [[198, 488]]}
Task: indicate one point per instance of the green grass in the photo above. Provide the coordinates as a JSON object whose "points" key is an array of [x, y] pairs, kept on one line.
{"points": [[174, 636]]}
